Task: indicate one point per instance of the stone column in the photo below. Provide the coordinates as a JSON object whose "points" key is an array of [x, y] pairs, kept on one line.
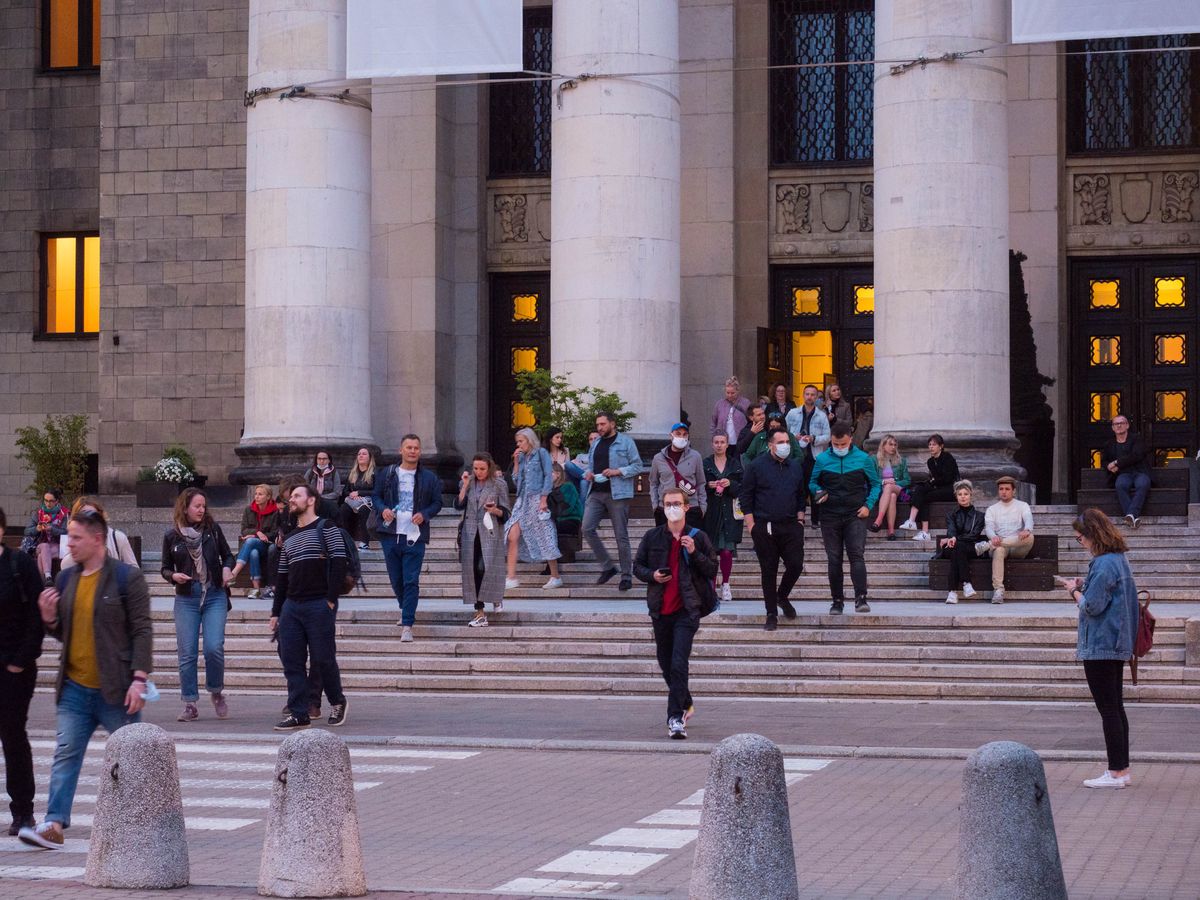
{"points": [[308, 214], [614, 263], [941, 232]]}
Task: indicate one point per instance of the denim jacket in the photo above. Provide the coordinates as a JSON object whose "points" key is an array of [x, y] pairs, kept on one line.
{"points": [[623, 455], [535, 474], [1108, 613]]}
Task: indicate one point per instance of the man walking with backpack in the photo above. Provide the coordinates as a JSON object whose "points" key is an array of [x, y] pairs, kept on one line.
{"points": [[678, 564], [100, 610], [312, 566]]}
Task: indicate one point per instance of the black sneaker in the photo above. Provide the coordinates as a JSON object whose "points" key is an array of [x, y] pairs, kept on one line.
{"points": [[789, 611], [606, 576], [291, 723], [861, 605], [835, 608], [771, 624], [337, 715], [21, 822], [625, 585]]}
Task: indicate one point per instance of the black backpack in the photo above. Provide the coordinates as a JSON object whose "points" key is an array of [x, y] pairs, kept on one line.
{"points": [[702, 586], [353, 574]]}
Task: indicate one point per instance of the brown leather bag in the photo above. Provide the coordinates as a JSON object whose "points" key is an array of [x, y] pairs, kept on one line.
{"points": [[1143, 639]]}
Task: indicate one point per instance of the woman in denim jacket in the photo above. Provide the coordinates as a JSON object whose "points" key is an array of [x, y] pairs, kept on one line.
{"points": [[1108, 621]]}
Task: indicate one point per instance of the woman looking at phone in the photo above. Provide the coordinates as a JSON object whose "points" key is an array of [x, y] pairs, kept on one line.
{"points": [[483, 498]]}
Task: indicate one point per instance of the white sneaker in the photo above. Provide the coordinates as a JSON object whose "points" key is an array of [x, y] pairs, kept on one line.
{"points": [[923, 536], [952, 597], [510, 583], [1129, 520], [982, 547], [552, 584], [1107, 780], [726, 593], [968, 590], [908, 525], [253, 594], [406, 635], [998, 595], [480, 621]]}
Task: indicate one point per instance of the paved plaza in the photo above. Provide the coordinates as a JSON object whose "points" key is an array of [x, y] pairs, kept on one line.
{"points": [[533, 797]]}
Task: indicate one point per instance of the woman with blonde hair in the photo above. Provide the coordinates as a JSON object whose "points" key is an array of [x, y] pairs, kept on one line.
{"points": [[260, 521], [893, 472], [117, 543], [836, 406], [197, 561], [530, 531], [356, 506]]}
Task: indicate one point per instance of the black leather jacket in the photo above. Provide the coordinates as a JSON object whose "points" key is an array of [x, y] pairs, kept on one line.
{"points": [[966, 524], [175, 557]]}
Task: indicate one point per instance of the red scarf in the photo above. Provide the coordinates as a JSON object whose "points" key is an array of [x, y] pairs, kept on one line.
{"points": [[265, 511]]}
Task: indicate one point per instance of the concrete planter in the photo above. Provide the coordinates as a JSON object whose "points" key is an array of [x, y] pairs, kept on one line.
{"points": [[156, 493]]}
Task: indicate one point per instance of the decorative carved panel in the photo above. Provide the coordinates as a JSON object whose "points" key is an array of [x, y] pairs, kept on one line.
{"points": [[822, 214], [1134, 204], [518, 232]]}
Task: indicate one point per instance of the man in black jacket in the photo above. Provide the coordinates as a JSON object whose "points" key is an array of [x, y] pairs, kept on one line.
{"points": [[1125, 459], [772, 497], [20, 646], [678, 564]]}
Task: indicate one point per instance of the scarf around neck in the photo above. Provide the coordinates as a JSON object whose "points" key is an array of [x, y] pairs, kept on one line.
{"points": [[321, 475], [263, 512], [193, 539]]}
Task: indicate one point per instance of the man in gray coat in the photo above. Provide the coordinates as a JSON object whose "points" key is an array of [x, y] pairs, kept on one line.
{"points": [[100, 610], [678, 465]]}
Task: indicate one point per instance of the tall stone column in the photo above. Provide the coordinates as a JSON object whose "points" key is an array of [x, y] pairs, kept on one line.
{"points": [[614, 262], [308, 249], [941, 232]]}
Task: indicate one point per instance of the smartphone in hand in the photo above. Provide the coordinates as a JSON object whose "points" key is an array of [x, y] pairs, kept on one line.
{"points": [[664, 572]]}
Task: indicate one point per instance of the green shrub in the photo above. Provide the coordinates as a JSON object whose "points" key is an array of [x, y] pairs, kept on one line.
{"points": [[557, 403], [56, 454], [181, 453]]}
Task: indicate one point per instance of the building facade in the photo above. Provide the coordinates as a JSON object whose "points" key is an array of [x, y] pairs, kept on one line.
{"points": [[204, 241]]}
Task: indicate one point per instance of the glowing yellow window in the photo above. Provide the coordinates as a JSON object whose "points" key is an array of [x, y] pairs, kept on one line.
{"points": [[864, 354], [524, 359], [1170, 349], [1170, 406], [1097, 458], [1106, 294], [812, 358], [864, 299], [1169, 293], [91, 285], [1161, 456], [1106, 350], [1105, 405], [522, 415], [71, 298], [71, 34], [525, 307], [806, 301]]}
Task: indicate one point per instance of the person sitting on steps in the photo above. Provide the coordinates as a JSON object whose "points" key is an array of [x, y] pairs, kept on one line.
{"points": [[943, 473], [1008, 526], [964, 529], [1128, 472]]}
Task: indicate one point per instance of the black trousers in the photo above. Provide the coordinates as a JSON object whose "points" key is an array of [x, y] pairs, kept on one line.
{"points": [[355, 522], [922, 495], [814, 508], [1105, 678], [673, 636], [960, 556], [785, 542], [845, 537], [16, 690]]}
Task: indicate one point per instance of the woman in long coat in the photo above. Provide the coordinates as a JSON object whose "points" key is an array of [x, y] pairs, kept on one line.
{"points": [[723, 477], [483, 498]]}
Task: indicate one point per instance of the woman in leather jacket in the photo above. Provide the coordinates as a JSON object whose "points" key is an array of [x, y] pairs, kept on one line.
{"points": [[964, 529]]}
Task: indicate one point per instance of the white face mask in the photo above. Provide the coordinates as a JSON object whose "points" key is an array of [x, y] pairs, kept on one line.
{"points": [[782, 451], [673, 513], [679, 443], [840, 451]]}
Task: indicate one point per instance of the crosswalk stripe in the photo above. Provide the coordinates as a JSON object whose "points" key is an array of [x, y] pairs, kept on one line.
{"points": [[213, 802], [805, 765], [14, 845], [672, 817], [602, 862], [647, 838], [230, 784], [555, 886], [220, 765], [193, 823], [223, 749], [41, 872]]}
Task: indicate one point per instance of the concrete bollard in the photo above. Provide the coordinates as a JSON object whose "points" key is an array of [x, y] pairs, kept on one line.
{"points": [[1007, 849], [312, 846], [138, 839], [744, 850]]}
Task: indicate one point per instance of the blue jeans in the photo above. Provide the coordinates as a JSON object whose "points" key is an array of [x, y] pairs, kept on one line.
{"points": [[404, 561], [1137, 484], [190, 615], [253, 553], [306, 628], [80, 710]]}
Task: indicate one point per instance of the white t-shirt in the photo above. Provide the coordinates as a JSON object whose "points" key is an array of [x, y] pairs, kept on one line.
{"points": [[1004, 520], [406, 487]]}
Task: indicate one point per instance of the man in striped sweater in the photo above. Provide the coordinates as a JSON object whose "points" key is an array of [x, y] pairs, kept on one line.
{"points": [[311, 567]]}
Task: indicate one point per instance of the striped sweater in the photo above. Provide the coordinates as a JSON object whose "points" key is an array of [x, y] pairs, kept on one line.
{"points": [[305, 572]]}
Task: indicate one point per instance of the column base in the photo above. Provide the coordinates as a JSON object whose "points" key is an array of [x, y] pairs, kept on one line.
{"points": [[268, 462]]}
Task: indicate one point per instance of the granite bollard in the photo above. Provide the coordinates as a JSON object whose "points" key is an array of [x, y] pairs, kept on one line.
{"points": [[312, 846], [744, 850], [1007, 849], [138, 839]]}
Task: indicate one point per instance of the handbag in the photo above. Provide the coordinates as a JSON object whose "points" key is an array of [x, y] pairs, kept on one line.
{"points": [[1143, 640], [682, 483]]}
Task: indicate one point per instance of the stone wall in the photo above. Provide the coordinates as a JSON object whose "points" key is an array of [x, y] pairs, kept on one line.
{"points": [[48, 182], [172, 206]]}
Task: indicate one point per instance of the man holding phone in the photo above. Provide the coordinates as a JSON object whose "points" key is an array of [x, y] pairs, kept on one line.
{"points": [[678, 564]]}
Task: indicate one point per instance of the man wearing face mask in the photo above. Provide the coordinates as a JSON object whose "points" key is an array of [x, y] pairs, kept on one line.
{"points": [[845, 484], [678, 563], [677, 465], [772, 498]]}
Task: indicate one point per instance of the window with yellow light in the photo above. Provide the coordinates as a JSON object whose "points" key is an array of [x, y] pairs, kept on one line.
{"points": [[71, 285], [812, 359], [70, 34]]}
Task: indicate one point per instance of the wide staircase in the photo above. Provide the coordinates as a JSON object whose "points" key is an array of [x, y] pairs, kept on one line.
{"points": [[595, 640]]}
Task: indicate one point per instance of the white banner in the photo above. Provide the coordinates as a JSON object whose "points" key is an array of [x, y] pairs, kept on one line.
{"points": [[394, 38], [1066, 20]]}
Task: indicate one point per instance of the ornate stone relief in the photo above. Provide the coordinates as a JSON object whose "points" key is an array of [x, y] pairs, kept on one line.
{"points": [[518, 234], [822, 214], [511, 218], [1133, 204], [1091, 192], [1178, 190], [791, 209]]}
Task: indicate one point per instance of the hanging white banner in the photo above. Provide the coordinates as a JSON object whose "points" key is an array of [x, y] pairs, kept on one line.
{"points": [[1065, 20], [394, 38]]}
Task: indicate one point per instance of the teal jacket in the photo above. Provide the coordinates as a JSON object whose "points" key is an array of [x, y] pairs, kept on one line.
{"points": [[851, 480], [899, 472]]}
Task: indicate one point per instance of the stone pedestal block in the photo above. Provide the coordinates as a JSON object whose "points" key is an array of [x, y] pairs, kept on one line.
{"points": [[312, 846], [744, 851], [1007, 849], [138, 840]]}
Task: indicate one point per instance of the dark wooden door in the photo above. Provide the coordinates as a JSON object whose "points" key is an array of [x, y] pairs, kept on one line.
{"points": [[1134, 326], [520, 341], [774, 359]]}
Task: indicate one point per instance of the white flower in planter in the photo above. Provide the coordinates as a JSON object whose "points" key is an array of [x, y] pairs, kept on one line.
{"points": [[171, 469]]}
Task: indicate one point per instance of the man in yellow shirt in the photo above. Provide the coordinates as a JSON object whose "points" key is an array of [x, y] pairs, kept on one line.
{"points": [[100, 610]]}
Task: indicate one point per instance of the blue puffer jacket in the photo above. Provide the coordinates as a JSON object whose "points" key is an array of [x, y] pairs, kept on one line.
{"points": [[1108, 613]]}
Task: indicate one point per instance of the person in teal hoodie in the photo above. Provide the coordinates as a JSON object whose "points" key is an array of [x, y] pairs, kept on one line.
{"points": [[846, 484]]}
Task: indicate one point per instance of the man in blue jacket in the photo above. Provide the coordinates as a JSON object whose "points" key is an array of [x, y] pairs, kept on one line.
{"points": [[408, 496], [613, 464], [845, 484]]}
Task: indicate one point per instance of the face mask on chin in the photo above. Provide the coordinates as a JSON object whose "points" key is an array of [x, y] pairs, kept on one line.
{"points": [[679, 443], [840, 451], [782, 451], [674, 513]]}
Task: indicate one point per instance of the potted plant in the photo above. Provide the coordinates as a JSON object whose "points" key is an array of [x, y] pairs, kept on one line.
{"points": [[55, 454], [160, 484]]}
